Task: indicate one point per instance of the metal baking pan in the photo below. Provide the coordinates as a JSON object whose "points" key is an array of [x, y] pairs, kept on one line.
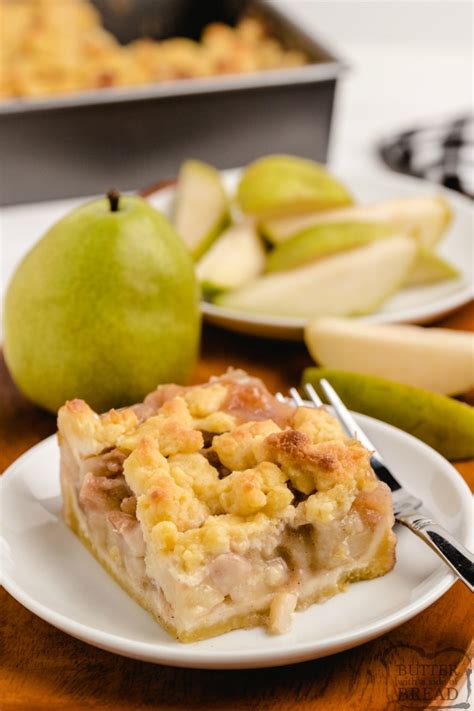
{"points": [[84, 143]]}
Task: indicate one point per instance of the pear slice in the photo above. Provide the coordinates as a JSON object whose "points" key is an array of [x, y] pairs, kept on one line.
{"points": [[320, 240], [353, 282], [445, 424], [281, 184], [433, 358], [430, 268], [425, 218], [201, 207], [236, 257]]}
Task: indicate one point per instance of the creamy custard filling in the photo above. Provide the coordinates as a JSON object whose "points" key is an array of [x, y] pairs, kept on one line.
{"points": [[213, 514]]}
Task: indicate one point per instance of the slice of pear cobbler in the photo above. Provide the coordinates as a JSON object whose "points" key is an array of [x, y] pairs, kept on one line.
{"points": [[217, 507]]}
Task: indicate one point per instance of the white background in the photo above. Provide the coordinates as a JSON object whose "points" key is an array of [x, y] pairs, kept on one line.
{"points": [[410, 62]]}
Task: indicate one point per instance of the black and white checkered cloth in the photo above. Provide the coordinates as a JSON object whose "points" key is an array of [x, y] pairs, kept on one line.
{"points": [[442, 153]]}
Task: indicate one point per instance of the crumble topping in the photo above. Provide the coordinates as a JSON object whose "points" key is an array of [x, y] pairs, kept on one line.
{"points": [[172, 427], [267, 466], [204, 401], [239, 449], [317, 424], [57, 47], [261, 489], [87, 432]]}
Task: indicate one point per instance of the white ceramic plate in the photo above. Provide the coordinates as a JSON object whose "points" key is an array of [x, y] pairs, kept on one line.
{"points": [[47, 569], [414, 305], [22, 226]]}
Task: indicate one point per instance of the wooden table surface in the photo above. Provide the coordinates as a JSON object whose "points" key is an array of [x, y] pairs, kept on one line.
{"points": [[45, 669]]}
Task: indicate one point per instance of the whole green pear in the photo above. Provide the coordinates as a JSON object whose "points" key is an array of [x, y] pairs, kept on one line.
{"points": [[104, 307]]}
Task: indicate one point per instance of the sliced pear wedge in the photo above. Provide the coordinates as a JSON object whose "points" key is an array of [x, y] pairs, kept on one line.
{"points": [[445, 424], [201, 208], [424, 218], [236, 257], [436, 359], [320, 240], [281, 184], [353, 282], [430, 268]]}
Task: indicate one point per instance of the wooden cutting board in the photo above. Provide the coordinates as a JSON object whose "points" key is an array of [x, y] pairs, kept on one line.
{"points": [[418, 665]]}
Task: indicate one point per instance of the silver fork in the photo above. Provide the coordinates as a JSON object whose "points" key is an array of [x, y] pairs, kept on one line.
{"points": [[406, 507]]}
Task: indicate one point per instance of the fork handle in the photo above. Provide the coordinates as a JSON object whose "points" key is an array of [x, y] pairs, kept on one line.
{"points": [[459, 559]]}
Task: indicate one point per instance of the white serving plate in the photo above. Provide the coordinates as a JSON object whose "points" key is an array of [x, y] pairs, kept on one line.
{"points": [[47, 569], [414, 305], [23, 225]]}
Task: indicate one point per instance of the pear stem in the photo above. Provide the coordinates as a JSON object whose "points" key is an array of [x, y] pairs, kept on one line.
{"points": [[114, 197]]}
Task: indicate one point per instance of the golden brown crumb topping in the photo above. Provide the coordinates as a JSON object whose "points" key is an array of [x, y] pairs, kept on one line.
{"points": [[60, 46], [238, 493]]}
